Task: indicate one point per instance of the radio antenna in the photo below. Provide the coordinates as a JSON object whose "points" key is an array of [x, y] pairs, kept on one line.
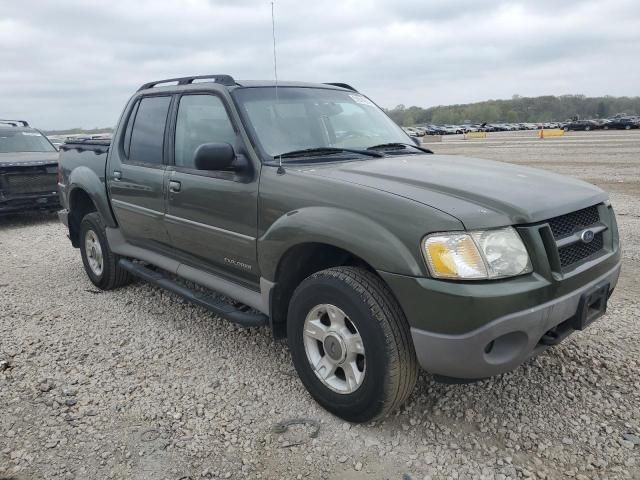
{"points": [[275, 74]]}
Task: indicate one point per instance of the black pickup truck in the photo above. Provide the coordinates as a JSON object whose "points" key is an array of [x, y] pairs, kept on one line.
{"points": [[28, 169], [372, 255]]}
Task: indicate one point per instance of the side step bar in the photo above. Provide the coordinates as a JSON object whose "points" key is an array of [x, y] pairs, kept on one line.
{"points": [[224, 309]]}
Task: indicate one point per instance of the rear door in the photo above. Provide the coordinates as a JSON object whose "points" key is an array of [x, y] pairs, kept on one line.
{"points": [[211, 215], [137, 171]]}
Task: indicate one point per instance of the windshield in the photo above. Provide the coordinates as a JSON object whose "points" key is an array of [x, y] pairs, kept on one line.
{"points": [[14, 141], [309, 118]]}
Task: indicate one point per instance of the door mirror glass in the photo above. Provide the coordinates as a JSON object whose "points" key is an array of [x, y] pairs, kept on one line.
{"points": [[214, 156]]}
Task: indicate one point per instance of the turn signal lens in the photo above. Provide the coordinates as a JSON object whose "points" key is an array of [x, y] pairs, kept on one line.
{"points": [[455, 257]]}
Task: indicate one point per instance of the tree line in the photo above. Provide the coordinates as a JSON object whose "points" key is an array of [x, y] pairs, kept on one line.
{"points": [[518, 109]]}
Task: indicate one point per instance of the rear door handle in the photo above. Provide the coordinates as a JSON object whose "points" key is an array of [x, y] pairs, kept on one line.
{"points": [[174, 186], [117, 174]]}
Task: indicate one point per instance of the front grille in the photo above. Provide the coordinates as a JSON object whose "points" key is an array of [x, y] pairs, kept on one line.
{"points": [[31, 183], [566, 225], [579, 251], [566, 230]]}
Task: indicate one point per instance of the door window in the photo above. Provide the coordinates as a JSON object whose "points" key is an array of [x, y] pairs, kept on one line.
{"points": [[201, 119], [147, 136]]}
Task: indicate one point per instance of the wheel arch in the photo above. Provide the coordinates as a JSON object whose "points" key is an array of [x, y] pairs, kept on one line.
{"points": [[299, 262], [307, 240], [80, 204], [361, 236], [88, 180]]}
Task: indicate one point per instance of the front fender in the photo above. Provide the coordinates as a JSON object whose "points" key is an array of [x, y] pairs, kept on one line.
{"points": [[86, 179], [353, 232]]}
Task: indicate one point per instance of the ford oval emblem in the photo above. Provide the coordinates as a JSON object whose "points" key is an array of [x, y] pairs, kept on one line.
{"points": [[587, 236]]}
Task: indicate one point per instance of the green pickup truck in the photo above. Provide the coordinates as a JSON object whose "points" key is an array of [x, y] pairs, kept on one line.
{"points": [[304, 208]]}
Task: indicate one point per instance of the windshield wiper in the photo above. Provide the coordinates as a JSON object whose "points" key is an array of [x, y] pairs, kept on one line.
{"points": [[320, 151], [398, 146]]}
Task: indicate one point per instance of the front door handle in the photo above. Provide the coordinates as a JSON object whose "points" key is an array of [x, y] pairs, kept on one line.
{"points": [[174, 186], [117, 174]]}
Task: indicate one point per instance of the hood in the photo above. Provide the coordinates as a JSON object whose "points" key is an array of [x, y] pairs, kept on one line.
{"points": [[479, 193], [22, 159]]}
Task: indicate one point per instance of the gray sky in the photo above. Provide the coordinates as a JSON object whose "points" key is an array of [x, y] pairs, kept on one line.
{"points": [[69, 63]]}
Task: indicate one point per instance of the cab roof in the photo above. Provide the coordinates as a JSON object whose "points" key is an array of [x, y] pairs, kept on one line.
{"points": [[229, 82]]}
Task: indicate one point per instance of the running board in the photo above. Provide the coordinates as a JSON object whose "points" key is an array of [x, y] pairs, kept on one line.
{"points": [[224, 309]]}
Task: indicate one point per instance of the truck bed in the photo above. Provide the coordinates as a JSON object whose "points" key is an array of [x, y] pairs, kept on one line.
{"points": [[82, 160], [91, 153]]}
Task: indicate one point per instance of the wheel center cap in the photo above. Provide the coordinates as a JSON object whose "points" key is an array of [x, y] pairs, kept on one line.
{"points": [[334, 347]]}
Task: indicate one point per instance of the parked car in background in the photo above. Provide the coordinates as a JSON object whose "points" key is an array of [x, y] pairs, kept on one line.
{"points": [[412, 132], [441, 130], [28, 169], [581, 125], [624, 123], [453, 129], [430, 130]]}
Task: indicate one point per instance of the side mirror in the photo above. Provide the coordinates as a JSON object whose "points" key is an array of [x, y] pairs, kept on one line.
{"points": [[214, 156], [416, 140]]}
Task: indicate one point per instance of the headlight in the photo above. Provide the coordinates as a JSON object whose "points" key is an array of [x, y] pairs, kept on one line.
{"points": [[479, 255]]}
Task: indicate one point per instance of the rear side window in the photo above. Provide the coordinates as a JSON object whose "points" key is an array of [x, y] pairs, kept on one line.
{"points": [[127, 132], [147, 136]]}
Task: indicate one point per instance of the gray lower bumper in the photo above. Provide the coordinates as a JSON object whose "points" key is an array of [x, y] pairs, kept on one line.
{"points": [[516, 338]]}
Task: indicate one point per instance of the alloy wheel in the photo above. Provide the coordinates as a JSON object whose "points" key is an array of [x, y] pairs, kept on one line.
{"points": [[334, 348]]}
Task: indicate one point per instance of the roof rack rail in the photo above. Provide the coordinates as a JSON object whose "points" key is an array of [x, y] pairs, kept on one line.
{"points": [[226, 80], [342, 85], [15, 122]]}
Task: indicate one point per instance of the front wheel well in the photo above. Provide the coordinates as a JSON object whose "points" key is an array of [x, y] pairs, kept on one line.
{"points": [[298, 263], [80, 204]]}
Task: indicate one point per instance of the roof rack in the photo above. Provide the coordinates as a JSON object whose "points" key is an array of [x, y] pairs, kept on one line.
{"points": [[342, 85], [15, 123], [226, 80]]}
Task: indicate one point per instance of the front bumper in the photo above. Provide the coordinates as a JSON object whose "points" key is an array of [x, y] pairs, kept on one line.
{"points": [[516, 337], [36, 201]]}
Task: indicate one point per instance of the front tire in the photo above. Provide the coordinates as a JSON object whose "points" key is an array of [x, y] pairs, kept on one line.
{"points": [[100, 263], [351, 344]]}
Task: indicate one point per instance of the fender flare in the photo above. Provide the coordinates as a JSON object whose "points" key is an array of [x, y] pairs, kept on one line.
{"points": [[84, 178], [364, 238]]}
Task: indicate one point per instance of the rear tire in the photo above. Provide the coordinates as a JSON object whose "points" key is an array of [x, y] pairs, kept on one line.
{"points": [[361, 379], [100, 263]]}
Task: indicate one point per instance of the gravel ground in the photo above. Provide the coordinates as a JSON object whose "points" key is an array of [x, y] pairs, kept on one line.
{"points": [[137, 384]]}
